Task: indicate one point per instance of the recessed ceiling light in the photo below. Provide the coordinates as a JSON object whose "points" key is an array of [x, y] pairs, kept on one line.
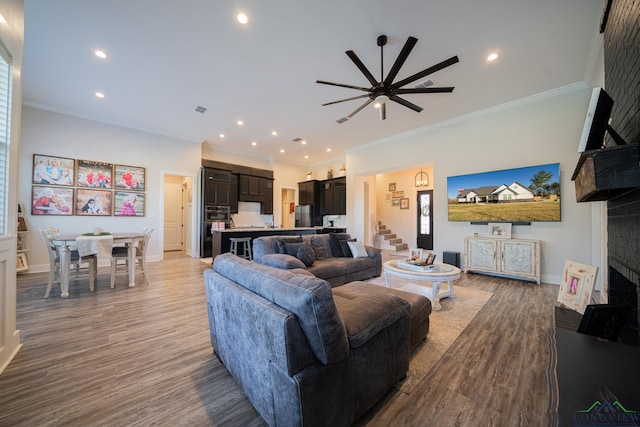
{"points": [[242, 18], [221, 135], [282, 150], [303, 142], [254, 143], [274, 133], [99, 95], [328, 150], [100, 54], [306, 157], [492, 57], [240, 122]]}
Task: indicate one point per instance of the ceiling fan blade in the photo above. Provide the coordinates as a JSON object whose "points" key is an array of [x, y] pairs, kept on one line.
{"points": [[357, 110], [346, 99], [366, 89], [425, 90], [402, 57], [425, 72], [351, 54], [406, 103]]}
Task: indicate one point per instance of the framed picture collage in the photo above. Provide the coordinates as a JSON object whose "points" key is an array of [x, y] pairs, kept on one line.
{"points": [[64, 186]]}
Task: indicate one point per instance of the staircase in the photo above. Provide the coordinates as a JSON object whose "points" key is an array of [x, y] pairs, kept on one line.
{"points": [[387, 240]]}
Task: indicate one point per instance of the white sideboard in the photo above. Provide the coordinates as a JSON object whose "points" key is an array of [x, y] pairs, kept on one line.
{"points": [[506, 257]]}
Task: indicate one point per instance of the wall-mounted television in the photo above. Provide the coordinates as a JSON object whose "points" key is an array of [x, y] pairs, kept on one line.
{"points": [[511, 195], [597, 121]]}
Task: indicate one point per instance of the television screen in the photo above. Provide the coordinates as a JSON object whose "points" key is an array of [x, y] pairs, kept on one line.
{"points": [[511, 195], [596, 122]]}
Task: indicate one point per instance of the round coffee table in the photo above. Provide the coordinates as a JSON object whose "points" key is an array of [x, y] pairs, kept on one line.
{"points": [[438, 274]]}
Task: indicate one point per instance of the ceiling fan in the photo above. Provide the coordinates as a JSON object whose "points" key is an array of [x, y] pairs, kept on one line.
{"points": [[385, 89]]}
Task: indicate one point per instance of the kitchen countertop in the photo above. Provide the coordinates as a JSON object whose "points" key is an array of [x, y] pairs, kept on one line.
{"points": [[251, 229]]}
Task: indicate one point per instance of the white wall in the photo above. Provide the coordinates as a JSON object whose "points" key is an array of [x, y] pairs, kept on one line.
{"points": [[537, 130], [49, 133]]}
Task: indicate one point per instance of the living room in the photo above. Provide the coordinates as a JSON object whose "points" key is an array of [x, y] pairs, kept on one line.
{"points": [[538, 129]]}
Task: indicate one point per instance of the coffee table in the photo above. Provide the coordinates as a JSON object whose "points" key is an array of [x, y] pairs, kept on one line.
{"points": [[440, 273]]}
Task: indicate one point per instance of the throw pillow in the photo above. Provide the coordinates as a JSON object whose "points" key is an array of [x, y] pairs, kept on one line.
{"points": [[292, 248], [334, 243], [321, 247], [282, 241], [306, 255], [344, 246], [358, 250], [283, 261]]}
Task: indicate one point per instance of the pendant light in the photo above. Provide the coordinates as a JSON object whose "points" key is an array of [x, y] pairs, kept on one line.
{"points": [[422, 179]]}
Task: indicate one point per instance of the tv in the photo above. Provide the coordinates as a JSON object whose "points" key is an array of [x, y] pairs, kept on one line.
{"points": [[519, 195], [596, 122], [604, 320]]}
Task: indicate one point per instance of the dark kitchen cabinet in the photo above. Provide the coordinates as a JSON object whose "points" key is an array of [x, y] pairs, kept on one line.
{"points": [[250, 188], [307, 192], [266, 190], [333, 197], [233, 194], [216, 187]]}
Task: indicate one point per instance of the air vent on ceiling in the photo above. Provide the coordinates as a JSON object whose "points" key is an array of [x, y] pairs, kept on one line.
{"points": [[424, 84], [200, 109], [297, 139]]}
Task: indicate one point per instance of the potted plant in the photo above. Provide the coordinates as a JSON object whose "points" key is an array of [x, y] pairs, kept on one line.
{"points": [[330, 173], [343, 170], [308, 175]]}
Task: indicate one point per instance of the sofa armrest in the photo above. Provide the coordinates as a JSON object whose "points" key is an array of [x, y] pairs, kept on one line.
{"points": [[373, 252], [365, 316]]}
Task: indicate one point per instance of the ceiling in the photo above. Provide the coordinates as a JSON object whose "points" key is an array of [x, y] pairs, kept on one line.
{"points": [[165, 58]]}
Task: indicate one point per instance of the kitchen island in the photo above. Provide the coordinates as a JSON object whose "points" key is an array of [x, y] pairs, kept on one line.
{"points": [[221, 243]]}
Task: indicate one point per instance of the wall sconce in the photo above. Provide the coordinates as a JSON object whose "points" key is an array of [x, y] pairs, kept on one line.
{"points": [[422, 179]]}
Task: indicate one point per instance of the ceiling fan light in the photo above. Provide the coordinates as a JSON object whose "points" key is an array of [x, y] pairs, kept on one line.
{"points": [[381, 99]]}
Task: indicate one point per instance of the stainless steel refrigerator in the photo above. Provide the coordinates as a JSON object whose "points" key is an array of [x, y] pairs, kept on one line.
{"points": [[304, 216]]}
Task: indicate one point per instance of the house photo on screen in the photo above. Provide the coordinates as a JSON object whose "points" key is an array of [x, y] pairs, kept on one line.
{"points": [[511, 195]]}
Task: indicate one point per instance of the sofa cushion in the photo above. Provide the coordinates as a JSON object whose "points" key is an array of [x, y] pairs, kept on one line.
{"points": [[282, 261], [306, 255], [346, 250], [292, 248], [358, 250], [309, 298], [334, 243]]}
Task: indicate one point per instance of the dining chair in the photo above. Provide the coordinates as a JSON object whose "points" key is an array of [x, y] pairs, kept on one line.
{"points": [[76, 266], [121, 253]]}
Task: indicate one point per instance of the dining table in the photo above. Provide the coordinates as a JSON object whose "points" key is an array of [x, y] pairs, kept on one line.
{"points": [[65, 243]]}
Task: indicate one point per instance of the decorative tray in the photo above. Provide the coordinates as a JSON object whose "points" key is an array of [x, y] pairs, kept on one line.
{"points": [[416, 265]]}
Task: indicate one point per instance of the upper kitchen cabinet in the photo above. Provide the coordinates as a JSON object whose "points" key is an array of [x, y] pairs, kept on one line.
{"points": [[307, 192], [333, 196], [216, 186]]}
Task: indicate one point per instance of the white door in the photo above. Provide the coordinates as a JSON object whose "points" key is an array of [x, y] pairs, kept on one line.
{"points": [[172, 217]]}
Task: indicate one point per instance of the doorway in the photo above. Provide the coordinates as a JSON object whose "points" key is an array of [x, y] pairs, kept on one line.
{"points": [[424, 204], [176, 192], [288, 203]]}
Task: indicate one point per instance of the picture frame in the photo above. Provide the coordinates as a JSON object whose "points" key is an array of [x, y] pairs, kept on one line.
{"points": [[49, 200], [128, 203], [397, 194], [388, 197], [576, 285], [415, 253], [92, 202], [392, 186], [53, 170], [94, 174], [404, 203], [129, 177], [395, 202], [21, 262], [500, 230]]}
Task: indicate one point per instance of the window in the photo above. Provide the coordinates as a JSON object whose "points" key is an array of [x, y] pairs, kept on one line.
{"points": [[5, 117]]}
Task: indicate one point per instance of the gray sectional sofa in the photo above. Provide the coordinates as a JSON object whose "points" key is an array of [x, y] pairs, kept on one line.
{"points": [[329, 263], [304, 353]]}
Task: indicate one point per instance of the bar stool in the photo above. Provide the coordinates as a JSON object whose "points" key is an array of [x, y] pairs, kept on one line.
{"points": [[246, 247]]}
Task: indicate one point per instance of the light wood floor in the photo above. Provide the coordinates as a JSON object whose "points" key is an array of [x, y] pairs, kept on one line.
{"points": [[141, 356]]}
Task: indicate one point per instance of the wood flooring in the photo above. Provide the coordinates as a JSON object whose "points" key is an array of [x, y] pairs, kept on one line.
{"points": [[142, 356]]}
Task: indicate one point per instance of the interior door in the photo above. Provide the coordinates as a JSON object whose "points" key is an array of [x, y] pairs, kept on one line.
{"points": [[424, 205], [172, 217]]}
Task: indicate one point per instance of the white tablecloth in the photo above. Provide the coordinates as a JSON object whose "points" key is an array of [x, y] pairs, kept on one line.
{"points": [[98, 245]]}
